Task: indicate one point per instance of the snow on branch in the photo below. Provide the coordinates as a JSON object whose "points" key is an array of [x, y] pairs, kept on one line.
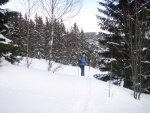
{"points": [[108, 60], [147, 62], [2, 11], [4, 40], [113, 43]]}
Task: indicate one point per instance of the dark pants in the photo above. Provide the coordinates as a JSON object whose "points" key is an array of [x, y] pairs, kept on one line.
{"points": [[82, 70]]}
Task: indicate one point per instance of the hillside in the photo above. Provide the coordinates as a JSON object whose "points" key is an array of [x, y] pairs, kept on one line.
{"points": [[36, 90]]}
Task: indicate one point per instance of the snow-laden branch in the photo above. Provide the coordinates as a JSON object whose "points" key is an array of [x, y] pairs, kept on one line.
{"points": [[4, 40]]}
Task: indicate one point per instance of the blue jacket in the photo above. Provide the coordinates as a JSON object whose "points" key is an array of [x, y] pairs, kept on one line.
{"points": [[83, 60]]}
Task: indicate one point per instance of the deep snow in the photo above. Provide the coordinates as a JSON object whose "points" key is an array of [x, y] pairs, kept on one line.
{"points": [[36, 90]]}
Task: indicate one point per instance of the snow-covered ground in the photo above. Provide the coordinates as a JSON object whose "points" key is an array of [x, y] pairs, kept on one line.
{"points": [[35, 90]]}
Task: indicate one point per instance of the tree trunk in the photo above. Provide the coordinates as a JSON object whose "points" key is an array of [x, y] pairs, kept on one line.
{"points": [[51, 47], [28, 20]]}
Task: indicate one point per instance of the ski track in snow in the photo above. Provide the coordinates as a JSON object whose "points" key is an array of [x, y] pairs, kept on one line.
{"points": [[81, 106]]}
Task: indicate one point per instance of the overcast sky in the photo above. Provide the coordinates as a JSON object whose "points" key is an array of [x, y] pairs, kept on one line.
{"points": [[86, 19]]}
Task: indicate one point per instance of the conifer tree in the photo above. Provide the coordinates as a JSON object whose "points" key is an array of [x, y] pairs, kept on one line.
{"points": [[39, 38], [3, 28], [7, 49], [59, 48], [47, 35], [74, 42], [126, 23], [20, 29], [33, 39]]}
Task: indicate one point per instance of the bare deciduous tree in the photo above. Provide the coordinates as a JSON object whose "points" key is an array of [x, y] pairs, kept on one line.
{"points": [[29, 7], [58, 10]]}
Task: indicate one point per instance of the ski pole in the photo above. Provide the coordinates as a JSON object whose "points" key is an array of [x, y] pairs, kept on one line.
{"points": [[89, 71], [78, 70]]}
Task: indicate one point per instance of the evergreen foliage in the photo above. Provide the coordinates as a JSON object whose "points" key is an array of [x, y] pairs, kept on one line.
{"points": [[67, 44], [125, 38], [7, 48], [39, 43]]}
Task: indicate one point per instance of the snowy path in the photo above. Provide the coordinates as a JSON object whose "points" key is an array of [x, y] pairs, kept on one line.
{"points": [[81, 105]]}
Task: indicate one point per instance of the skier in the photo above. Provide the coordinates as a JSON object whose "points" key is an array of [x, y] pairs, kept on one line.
{"points": [[82, 61]]}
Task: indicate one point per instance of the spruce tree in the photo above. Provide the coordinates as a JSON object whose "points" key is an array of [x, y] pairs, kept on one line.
{"points": [[39, 50], [33, 39], [125, 23], [4, 47], [47, 36], [8, 49], [59, 48]]}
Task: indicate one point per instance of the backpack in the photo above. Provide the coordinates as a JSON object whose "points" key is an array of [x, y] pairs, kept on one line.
{"points": [[82, 60]]}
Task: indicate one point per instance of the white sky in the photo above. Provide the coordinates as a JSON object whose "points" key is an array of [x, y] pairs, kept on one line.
{"points": [[85, 20]]}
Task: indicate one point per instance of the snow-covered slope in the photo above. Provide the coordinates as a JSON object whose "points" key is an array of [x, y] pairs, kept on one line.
{"points": [[36, 90]]}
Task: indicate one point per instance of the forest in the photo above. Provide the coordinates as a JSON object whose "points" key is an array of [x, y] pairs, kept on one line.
{"points": [[125, 46]]}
